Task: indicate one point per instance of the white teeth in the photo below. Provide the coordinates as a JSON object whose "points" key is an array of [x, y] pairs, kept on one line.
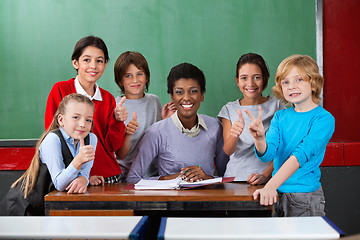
{"points": [[187, 106], [250, 90]]}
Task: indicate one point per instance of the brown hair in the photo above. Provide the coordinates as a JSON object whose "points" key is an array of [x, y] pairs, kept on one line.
{"points": [[89, 41], [253, 58], [308, 70], [124, 61], [31, 174]]}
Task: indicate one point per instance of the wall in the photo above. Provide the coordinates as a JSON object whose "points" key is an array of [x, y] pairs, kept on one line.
{"points": [[37, 39], [341, 66], [341, 24]]}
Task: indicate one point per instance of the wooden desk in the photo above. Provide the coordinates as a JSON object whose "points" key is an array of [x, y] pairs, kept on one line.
{"points": [[220, 200]]}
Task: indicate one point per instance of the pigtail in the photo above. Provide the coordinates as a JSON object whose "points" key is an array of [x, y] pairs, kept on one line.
{"points": [[28, 179]]}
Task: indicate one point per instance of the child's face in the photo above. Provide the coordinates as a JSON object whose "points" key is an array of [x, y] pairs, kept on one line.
{"points": [[77, 119], [250, 81], [134, 82], [187, 97], [91, 65], [296, 89]]}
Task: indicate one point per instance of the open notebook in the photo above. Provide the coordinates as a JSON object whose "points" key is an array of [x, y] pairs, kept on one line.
{"points": [[177, 183]]}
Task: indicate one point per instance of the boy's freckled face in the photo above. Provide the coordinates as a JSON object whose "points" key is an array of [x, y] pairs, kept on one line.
{"points": [[187, 97], [296, 89], [91, 65], [134, 82]]}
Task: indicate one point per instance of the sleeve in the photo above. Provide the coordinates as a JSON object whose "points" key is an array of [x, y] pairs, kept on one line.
{"points": [[158, 108], [148, 151], [115, 134], [86, 167], [224, 113], [51, 155], [52, 105], [318, 137], [272, 141], [221, 158]]}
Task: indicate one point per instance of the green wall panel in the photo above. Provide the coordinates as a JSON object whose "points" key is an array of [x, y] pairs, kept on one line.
{"points": [[37, 38]]}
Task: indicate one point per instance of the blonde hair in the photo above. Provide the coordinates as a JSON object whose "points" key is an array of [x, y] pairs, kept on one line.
{"points": [[308, 70], [28, 179]]}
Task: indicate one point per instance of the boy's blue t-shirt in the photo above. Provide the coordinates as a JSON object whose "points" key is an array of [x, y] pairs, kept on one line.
{"points": [[304, 135]]}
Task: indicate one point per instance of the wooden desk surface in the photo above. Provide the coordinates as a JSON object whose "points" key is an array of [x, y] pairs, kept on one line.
{"points": [[224, 196]]}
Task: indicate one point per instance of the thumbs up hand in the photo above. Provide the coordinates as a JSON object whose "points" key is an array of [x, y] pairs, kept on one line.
{"points": [[132, 125], [238, 126], [120, 112], [86, 154]]}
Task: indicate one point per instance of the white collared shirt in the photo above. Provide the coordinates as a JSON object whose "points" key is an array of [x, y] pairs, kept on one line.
{"points": [[194, 131], [80, 90]]}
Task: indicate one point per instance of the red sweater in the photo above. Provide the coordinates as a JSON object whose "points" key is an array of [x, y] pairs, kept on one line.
{"points": [[110, 133]]}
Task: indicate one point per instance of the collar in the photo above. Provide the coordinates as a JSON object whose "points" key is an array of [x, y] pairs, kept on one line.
{"points": [[80, 90], [193, 132], [66, 136]]}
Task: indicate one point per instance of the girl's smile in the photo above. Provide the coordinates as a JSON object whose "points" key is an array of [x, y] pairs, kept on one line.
{"points": [[90, 67], [250, 83], [77, 120]]}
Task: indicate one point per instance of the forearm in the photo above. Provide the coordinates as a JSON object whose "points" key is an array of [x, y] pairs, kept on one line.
{"points": [[124, 149], [169, 177], [85, 170], [286, 170], [115, 135], [230, 144], [230, 141], [260, 145], [65, 177], [268, 171]]}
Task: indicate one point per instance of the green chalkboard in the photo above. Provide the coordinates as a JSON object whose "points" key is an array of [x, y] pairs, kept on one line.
{"points": [[37, 39]]}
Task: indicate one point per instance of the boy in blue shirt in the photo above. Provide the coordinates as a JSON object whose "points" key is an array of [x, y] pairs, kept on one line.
{"points": [[296, 140]]}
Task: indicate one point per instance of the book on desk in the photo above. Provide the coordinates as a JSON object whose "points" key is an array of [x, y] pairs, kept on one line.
{"points": [[175, 183]]}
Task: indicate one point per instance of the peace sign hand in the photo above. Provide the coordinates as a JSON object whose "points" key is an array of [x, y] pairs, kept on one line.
{"points": [[256, 127], [238, 126]]}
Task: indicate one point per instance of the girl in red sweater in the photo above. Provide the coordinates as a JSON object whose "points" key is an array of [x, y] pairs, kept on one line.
{"points": [[89, 58]]}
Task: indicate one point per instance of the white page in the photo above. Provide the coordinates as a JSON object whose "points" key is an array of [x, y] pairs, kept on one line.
{"points": [[172, 184]]}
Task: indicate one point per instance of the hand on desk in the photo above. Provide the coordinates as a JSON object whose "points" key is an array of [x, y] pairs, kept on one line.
{"points": [[79, 185], [189, 174], [267, 195], [257, 178], [194, 174], [96, 180]]}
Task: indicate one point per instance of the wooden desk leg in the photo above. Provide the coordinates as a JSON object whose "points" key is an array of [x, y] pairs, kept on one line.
{"points": [[91, 213]]}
